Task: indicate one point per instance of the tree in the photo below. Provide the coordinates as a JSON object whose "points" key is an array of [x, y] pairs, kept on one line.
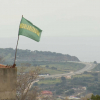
{"points": [[1, 59], [35, 84], [26, 64], [70, 92], [47, 66], [63, 78], [95, 97], [59, 91], [24, 84], [95, 62], [46, 98], [66, 98], [54, 68], [87, 97]]}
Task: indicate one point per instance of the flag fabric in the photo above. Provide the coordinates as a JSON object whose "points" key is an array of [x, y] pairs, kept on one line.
{"points": [[29, 30]]}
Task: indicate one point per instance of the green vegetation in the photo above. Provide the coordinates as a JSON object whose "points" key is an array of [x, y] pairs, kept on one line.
{"points": [[52, 62], [97, 68], [83, 75], [31, 56], [61, 67], [51, 71], [49, 81], [63, 86], [54, 67], [66, 66], [95, 97]]}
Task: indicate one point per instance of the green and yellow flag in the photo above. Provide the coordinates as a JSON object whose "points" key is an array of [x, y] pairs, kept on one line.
{"points": [[29, 30]]}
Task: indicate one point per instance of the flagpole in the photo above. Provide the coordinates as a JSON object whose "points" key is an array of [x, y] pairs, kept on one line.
{"points": [[16, 50], [15, 53]]}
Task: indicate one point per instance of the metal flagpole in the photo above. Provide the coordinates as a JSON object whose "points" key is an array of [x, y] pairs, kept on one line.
{"points": [[16, 51]]}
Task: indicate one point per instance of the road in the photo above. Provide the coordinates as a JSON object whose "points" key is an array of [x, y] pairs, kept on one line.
{"points": [[88, 67], [29, 86]]}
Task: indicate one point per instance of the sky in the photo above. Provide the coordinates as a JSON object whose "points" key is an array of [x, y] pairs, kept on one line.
{"points": [[69, 26]]}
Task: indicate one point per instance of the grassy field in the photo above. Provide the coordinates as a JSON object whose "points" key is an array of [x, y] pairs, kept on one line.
{"points": [[67, 66], [51, 71], [83, 75], [49, 81], [56, 67], [62, 67], [97, 68]]}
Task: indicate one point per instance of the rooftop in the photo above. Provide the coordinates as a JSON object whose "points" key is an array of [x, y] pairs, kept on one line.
{"points": [[46, 92], [4, 66]]}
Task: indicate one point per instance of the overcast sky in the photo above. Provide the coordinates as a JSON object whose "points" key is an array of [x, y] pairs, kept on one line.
{"points": [[69, 26]]}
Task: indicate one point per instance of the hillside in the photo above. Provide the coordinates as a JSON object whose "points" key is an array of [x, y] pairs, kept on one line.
{"points": [[27, 55], [97, 68]]}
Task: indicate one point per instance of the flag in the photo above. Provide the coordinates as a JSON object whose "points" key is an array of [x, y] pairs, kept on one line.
{"points": [[29, 30]]}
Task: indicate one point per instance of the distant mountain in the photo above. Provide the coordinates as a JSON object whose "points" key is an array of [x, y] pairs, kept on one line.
{"points": [[27, 55]]}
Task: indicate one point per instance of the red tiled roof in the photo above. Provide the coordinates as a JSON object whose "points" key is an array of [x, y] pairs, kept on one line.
{"points": [[46, 92], [3, 66], [7, 66]]}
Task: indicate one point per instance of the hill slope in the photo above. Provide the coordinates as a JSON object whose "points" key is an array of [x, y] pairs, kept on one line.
{"points": [[27, 55]]}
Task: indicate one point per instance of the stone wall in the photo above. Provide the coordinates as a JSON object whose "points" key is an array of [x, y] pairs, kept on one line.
{"points": [[8, 79]]}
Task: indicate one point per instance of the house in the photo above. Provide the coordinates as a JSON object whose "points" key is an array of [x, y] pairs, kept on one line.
{"points": [[47, 93], [68, 77], [2, 66], [5, 66]]}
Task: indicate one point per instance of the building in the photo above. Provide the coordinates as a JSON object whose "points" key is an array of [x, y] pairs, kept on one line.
{"points": [[8, 77], [68, 77], [2, 66], [47, 93]]}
